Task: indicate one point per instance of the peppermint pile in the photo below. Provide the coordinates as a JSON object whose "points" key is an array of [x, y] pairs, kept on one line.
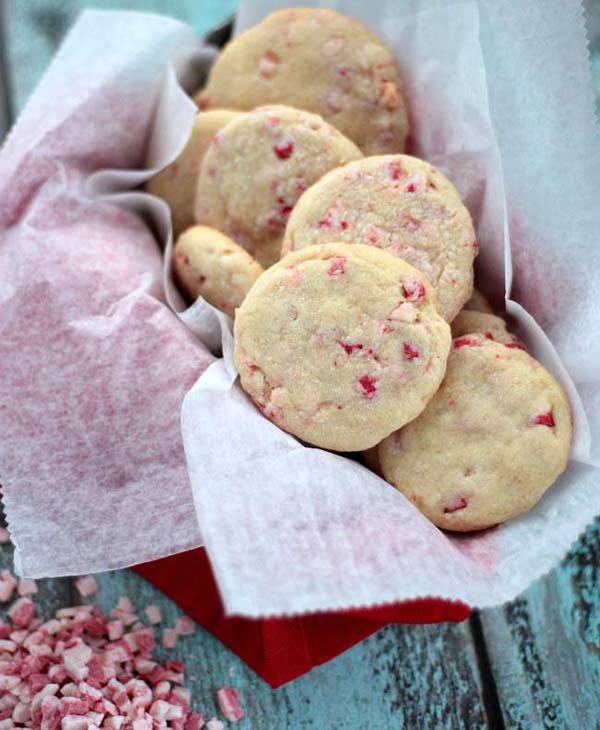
{"points": [[82, 670]]}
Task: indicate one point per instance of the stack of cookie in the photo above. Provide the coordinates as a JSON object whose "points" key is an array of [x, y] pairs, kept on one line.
{"points": [[348, 266]]}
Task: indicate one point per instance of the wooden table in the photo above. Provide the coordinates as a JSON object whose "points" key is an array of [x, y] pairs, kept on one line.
{"points": [[534, 663]]}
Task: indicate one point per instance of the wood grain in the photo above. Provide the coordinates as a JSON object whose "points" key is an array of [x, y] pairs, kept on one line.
{"points": [[544, 648]]}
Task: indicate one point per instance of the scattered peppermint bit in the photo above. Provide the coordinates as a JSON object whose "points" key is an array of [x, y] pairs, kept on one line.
{"points": [[86, 586], [27, 587], [229, 704], [153, 614], [184, 626], [169, 638]]}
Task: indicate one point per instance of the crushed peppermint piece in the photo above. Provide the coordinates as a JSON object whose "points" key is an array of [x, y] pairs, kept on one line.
{"points": [[214, 724], [229, 704], [455, 504], [8, 584], [86, 586], [22, 612], [337, 266], [153, 614], [27, 587], [185, 626], [283, 151], [545, 419], [169, 638], [367, 383]]}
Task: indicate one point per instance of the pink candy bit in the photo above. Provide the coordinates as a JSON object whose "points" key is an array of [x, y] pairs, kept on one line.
{"points": [[337, 266], [373, 235], [394, 169], [169, 638], [413, 290], [367, 383], [475, 248], [214, 724], [409, 352], [7, 586], [465, 342], [544, 419], [410, 188], [86, 586], [349, 348], [22, 612], [515, 344], [455, 504], [384, 329], [283, 151], [185, 626], [153, 614], [268, 64], [194, 722], [4, 535], [326, 222], [27, 587], [229, 704]]}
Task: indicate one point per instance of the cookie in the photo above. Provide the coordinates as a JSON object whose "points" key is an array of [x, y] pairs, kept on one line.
{"points": [[320, 61], [209, 264], [256, 169], [492, 440], [400, 204], [492, 327], [340, 344], [478, 303], [176, 184]]}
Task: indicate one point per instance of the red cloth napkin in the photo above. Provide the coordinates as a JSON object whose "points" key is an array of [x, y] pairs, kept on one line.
{"points": [[281, 649]]}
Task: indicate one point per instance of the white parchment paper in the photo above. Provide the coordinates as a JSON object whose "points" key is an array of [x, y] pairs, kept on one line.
{"points": [[501, 100], [93, 363]]}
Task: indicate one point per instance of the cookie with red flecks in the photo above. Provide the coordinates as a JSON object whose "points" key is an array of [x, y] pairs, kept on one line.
{"points": [[321, 61], [402, 205], [256, 169], [209, 264], [478, 303], [494, 328], [341, 345], [176, 184], [492, 440]]}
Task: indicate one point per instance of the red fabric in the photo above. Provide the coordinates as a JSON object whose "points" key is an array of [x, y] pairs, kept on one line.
{"points": [[282, 649]]}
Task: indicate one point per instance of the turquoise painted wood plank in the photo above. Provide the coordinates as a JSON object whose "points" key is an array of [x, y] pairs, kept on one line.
{"points": [[34, 30], [544, 647]]}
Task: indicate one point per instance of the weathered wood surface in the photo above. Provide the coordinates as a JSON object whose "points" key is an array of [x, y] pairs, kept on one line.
{"points": [[534, 663], [544, 648]]}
